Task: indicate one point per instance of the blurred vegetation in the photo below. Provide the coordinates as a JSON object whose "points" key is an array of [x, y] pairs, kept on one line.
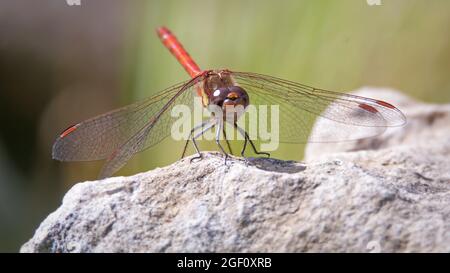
{"points": [[61, 64]]}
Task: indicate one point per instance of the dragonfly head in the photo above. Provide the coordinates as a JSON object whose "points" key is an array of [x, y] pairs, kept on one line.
{"points": [[232, 100]]}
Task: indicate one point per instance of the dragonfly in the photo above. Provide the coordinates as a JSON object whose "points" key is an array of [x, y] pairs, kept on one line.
{"points": [[119, 134]]}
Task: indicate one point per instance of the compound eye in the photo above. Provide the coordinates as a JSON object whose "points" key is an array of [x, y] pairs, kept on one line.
{"points": [[220, 93], [218, 96]]}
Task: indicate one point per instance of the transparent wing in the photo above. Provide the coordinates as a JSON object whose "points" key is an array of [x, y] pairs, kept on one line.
{"points": [[119, 134], [308, 114]]}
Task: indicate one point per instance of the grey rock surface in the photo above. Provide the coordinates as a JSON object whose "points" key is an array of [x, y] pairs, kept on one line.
{"points": [[393, 197]]}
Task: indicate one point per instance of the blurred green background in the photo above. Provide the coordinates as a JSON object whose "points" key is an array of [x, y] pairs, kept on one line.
{"points": [[61, 64]]}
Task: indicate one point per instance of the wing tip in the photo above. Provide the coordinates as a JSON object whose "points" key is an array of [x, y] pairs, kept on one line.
{"points": [[399, 119], [56, 149]]}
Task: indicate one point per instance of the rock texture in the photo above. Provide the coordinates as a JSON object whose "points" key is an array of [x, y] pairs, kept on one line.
{"points": [[395, 199]]}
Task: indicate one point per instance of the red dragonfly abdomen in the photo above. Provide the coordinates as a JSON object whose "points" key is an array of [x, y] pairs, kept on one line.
{"points": [[171, 42]]}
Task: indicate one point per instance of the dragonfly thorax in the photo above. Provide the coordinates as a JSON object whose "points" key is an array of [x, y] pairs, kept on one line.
{"points": [[216, 79]]}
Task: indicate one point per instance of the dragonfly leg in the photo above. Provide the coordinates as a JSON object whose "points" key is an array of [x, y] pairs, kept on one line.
{"points": [[242, 132], [190, 136], [254, 147], [247, 138], [218, 131], [226, 139], [208, 126]]}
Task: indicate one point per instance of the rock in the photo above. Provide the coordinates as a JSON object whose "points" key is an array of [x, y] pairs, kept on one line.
{"points": [[425, 122], [395, 199]]}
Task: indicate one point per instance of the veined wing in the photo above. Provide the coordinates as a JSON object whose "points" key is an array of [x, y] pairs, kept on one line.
{"points": [[119, 134]]}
